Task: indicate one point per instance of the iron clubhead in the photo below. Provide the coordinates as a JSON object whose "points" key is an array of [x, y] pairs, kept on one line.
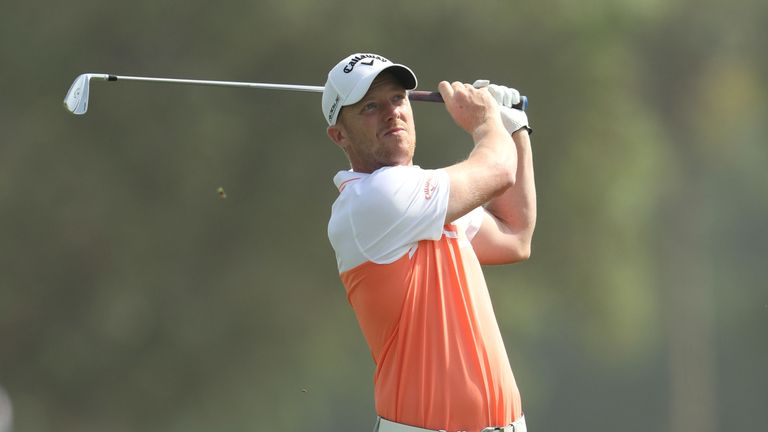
{"points": [[76, 100]]}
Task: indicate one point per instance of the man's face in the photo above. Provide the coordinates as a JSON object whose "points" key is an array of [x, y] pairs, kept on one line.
{"points": [[378, 130]]}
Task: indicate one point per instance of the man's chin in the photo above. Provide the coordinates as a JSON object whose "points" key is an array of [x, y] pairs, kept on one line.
{"points": [[401, 160]]}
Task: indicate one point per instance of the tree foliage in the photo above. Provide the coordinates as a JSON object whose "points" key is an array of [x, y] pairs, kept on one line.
{"points": [[135, 296]]}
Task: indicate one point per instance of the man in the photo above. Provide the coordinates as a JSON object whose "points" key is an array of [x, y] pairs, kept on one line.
{"points": [[409, 243]]}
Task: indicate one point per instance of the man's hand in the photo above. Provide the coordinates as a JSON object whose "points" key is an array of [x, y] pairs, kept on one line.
{"points": [[506, 97], [469, 107]]}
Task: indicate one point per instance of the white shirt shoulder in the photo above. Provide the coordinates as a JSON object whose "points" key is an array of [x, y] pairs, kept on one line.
{"points": [[381, 216]]}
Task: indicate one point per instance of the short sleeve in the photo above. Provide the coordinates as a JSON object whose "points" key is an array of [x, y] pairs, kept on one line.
{"points": [[396, 207]]}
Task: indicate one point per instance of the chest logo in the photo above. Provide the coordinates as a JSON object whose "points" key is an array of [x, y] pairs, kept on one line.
{"points": [[429, 187]]}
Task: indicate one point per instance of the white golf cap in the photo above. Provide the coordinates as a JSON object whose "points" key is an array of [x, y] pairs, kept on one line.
{"points": [[350, 79]]}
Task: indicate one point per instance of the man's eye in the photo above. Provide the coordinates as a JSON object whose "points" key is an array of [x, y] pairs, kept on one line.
{"points": [[370, 106]]}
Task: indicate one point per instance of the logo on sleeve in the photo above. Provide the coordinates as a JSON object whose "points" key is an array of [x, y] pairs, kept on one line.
{"points": [[430, 185]]}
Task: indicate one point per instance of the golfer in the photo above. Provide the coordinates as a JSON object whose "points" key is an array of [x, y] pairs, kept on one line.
{"points": [[409, 243]]}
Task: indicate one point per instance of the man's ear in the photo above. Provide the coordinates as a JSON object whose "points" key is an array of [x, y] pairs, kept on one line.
{"points": [[337, 134]]}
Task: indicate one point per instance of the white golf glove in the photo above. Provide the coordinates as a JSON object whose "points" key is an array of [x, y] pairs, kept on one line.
{"points": [[513, 119]]}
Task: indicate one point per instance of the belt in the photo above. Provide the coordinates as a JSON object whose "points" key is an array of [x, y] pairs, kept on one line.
{"points": [[384, 425]]}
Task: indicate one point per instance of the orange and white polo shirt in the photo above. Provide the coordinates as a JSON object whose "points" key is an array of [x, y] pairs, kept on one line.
{"points": [[421, 300]]}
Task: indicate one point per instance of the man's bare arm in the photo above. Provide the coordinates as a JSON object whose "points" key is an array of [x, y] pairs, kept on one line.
{"points": [[491, 167], [507, 231]]}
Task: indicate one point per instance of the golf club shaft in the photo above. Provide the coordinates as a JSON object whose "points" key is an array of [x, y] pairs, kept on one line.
{"points": [[304, 88], [416, 95], [76, 100]]}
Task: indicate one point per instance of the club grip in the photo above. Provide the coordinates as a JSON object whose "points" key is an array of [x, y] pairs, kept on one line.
{"points": [[426, 96]]}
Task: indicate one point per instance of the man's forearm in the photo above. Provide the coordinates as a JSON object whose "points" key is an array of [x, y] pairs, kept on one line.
{"points": [[516, 207]]}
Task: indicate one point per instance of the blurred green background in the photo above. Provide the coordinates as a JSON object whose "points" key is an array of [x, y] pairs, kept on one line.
{"points": [[134, 298]]}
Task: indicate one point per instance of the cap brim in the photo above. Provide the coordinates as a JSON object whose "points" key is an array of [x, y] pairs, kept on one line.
{"points": [[402, 73], [406, 76]]}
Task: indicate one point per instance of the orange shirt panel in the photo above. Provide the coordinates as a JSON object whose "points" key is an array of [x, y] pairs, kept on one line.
{"points": [[428, 320]]}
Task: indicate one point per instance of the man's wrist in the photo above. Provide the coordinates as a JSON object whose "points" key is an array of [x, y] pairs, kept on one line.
{"points": [[521, 136], [490, 127]]}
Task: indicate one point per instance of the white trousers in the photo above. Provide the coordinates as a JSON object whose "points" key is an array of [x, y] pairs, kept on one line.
{"points": [[384, 425]]}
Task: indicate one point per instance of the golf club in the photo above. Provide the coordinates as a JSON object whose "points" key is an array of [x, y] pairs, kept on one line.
{"points": [[76, 100]]}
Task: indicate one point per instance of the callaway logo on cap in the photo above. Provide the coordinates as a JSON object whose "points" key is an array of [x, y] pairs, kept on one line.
{"points": [[350, 79]]}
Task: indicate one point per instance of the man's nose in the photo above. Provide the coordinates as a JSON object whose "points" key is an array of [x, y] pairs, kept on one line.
{"points": [[392, 110]]}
